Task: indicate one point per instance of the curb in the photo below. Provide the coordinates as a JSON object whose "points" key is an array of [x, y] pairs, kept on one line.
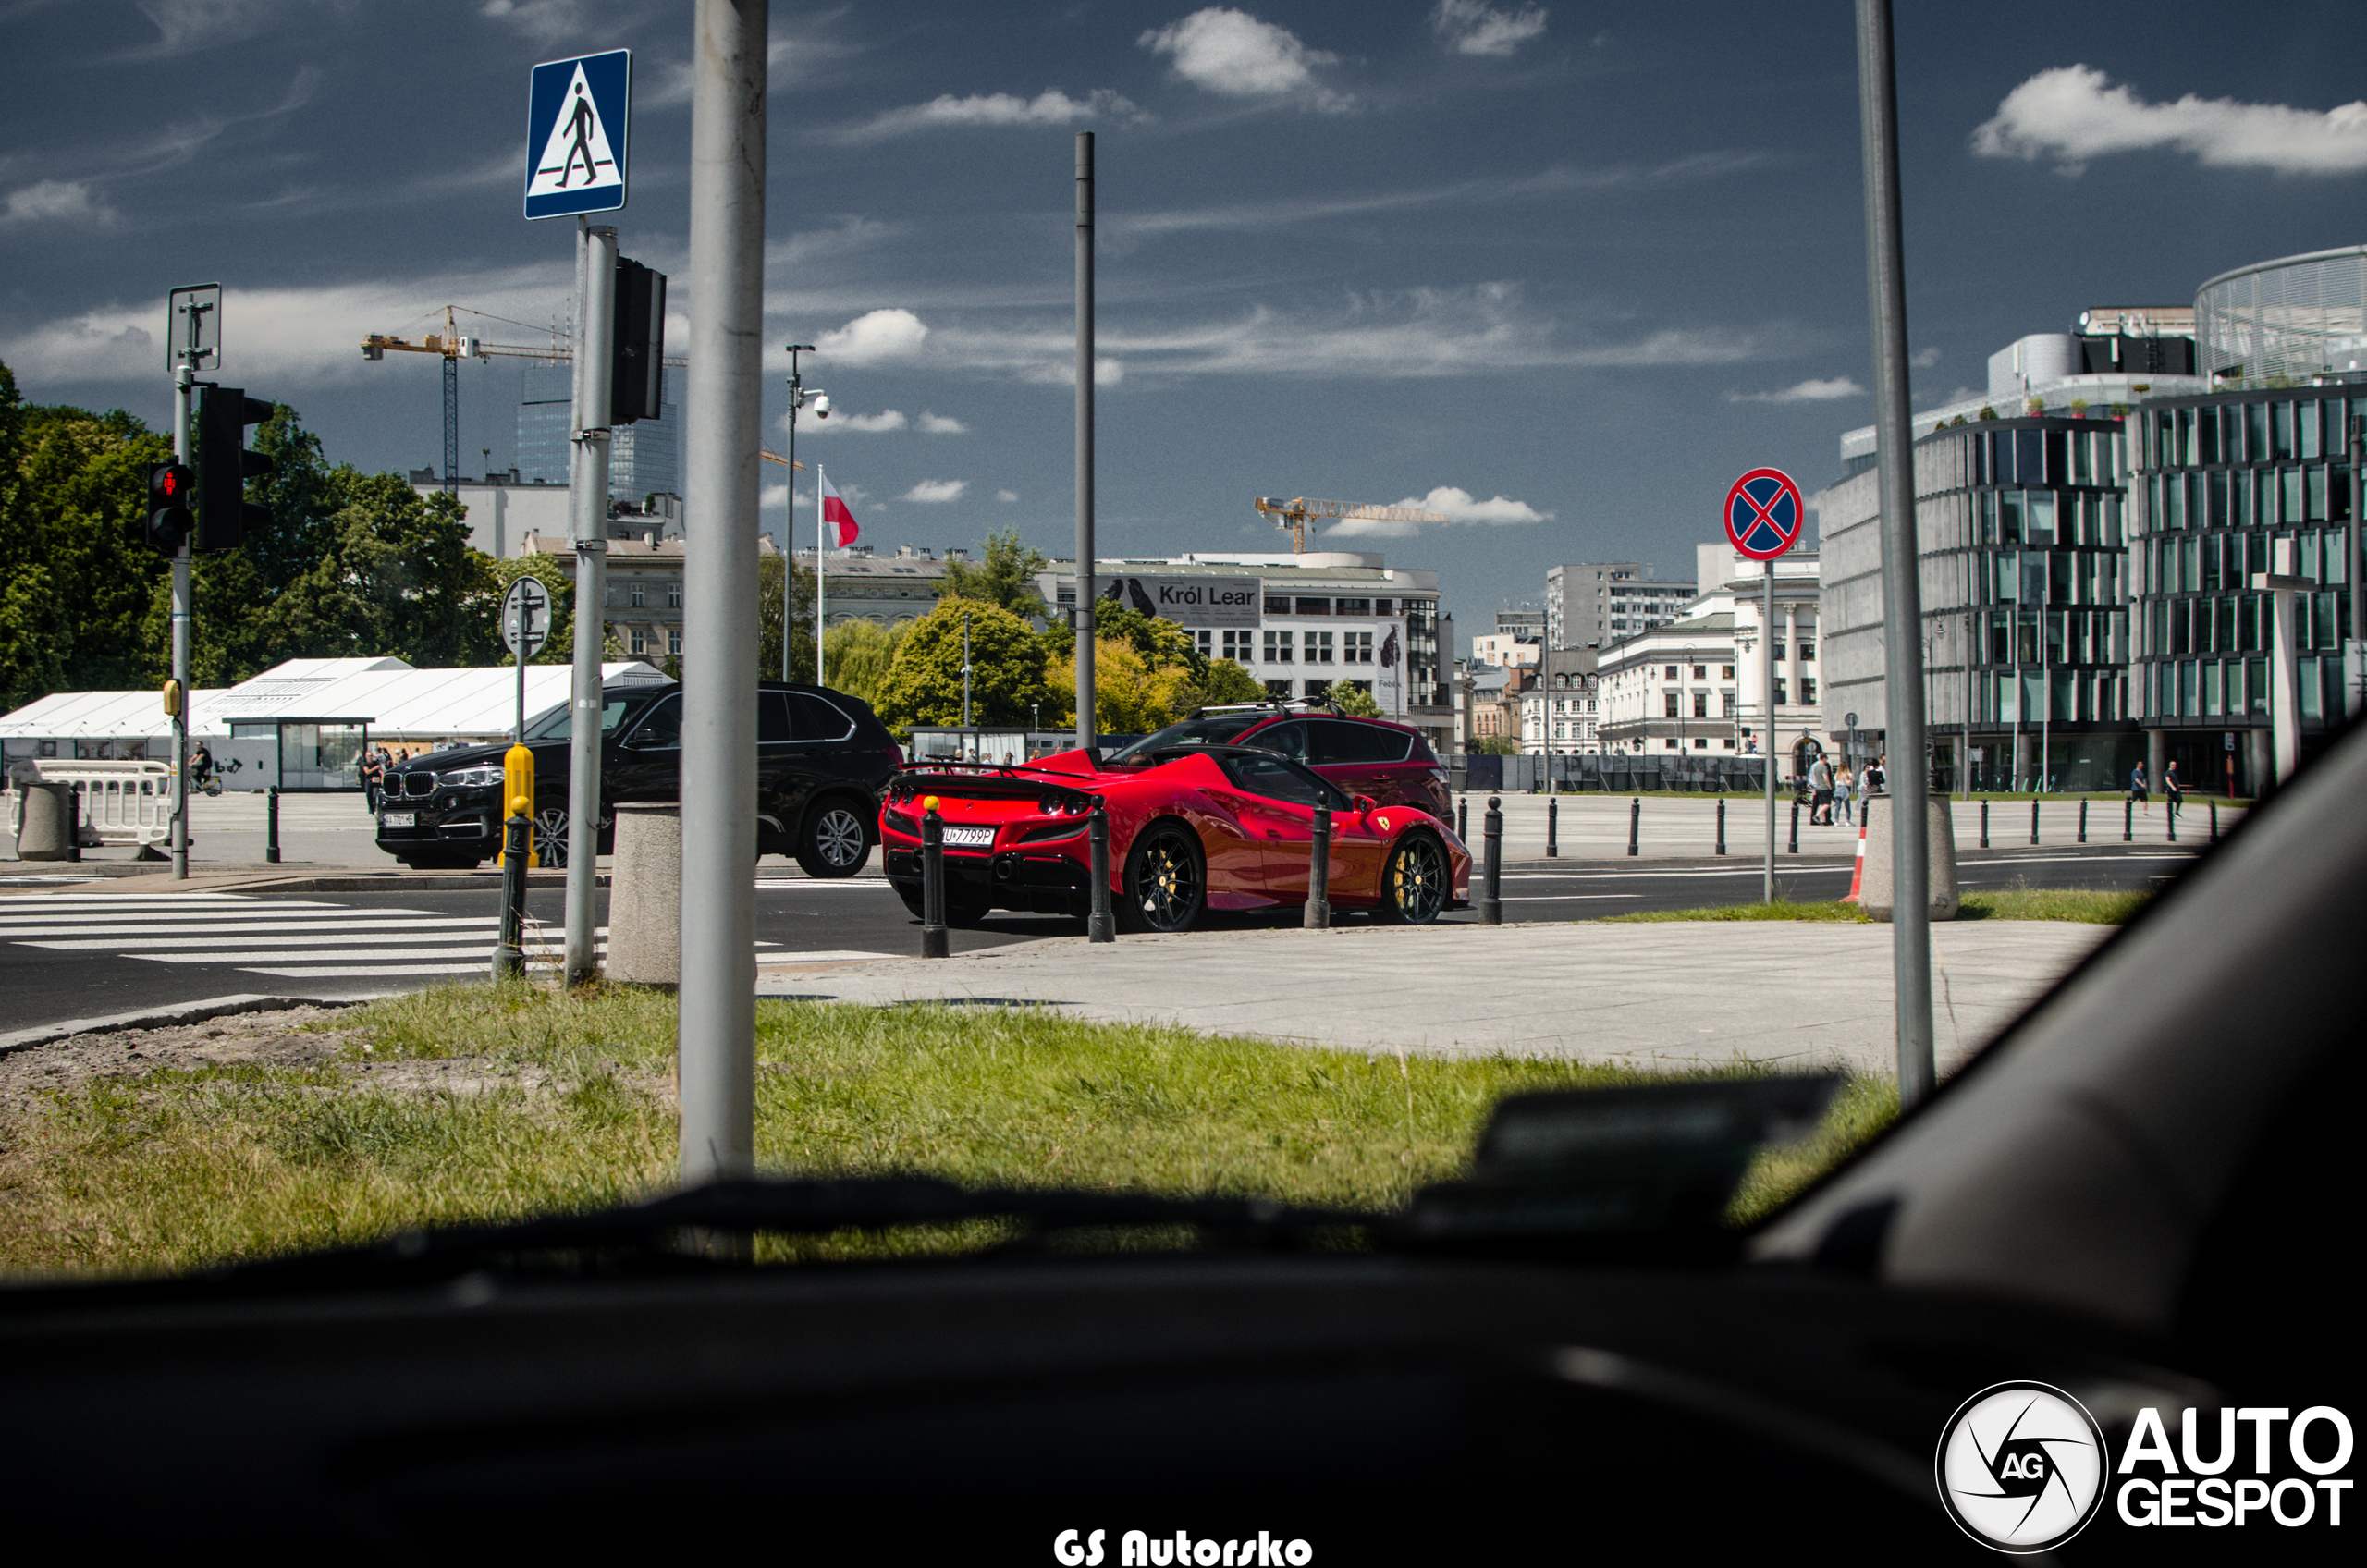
{"points": [[163, 1016]]}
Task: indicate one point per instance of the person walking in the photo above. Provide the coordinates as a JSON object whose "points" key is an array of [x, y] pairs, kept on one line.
{"points": [[2136, 788], [1844, 783], [2173, 793], [1875, 775], [1820, 793]]}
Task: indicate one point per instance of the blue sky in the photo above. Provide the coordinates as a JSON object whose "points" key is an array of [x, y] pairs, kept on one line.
{"points": [[1560, 270]]}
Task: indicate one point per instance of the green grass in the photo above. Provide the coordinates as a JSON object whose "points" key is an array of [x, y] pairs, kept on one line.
{"points": [[2085, 905], [561, 1102]]}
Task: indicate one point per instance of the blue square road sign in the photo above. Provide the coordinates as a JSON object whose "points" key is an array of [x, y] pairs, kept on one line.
{"points": [[578, 120]]}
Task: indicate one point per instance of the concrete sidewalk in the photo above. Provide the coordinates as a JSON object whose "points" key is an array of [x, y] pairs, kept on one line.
{"points": [[1680, 994]]}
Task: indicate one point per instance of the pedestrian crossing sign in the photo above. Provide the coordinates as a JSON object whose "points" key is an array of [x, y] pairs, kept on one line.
{"points": [[577, 114]]}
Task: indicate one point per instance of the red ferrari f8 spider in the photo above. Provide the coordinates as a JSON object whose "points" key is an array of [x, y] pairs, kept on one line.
{"points": [[1192, 828]]}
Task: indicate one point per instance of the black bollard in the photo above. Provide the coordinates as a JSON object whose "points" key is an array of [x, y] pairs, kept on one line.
{"points": [[1317, 914], [1634, 821], [1984, 824], [2128, 822], [2083, 819], [2033, 819], [509, 958], [1722, 827], [271, 826], [1463, 819], [74, 824], [2214, 821], [1491, 896], [1794, 847], [1098, 927], [1552, 828], [936, 942]]}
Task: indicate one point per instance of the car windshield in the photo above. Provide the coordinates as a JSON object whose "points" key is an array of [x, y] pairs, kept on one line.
{"points": [[553, 723], [1216, 729]]}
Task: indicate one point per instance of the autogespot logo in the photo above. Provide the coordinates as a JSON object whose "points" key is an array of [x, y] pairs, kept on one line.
{"points": [[2022, 1466]]}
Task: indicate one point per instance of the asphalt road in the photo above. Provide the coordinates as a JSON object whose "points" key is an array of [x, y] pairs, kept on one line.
{"points": [[73, 952]]}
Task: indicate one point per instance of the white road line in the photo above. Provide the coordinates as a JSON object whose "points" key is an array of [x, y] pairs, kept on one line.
{"points": [[349, 955], [764, 959], [253, 927], [376, 969], [135, 947]]}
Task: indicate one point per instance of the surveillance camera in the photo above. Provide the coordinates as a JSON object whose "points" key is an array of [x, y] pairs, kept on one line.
{"points": [[821, 405]]}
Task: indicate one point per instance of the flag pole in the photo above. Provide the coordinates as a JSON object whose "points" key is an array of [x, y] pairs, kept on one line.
{"points": [[820, 480]]}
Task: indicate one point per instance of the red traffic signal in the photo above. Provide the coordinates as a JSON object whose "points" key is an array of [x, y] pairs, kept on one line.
{"points": [[171, 488]]}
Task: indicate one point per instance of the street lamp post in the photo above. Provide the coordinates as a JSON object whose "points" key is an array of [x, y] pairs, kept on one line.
{"points": [[798, 398]]}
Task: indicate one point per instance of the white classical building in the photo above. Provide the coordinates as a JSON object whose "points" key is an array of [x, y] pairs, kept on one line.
{"points": [[1560, 710]]}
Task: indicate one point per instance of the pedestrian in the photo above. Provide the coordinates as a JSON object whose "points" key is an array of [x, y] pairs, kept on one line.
{"points": [[2137, 787], [2173, 793], [1875, 777], [1844, 783], [1820, 793]]}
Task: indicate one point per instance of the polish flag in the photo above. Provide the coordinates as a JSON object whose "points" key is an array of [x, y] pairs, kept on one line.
{"points": [[834, 512]]}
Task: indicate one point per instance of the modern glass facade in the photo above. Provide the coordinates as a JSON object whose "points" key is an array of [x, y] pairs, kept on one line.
{"points": [[2283, 322], [2227, 487], [2022, 535], [644, 457]]}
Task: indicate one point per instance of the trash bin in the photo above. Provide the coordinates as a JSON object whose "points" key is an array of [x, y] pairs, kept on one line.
{"points": [[645, 896], [45, 823]]}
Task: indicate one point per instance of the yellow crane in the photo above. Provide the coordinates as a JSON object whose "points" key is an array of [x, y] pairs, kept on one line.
{"points": [[1293, 516]]}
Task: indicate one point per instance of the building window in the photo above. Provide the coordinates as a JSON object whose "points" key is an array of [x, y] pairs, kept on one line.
{"points": [[1672, 672], [673, 639], [1207, 641], [673, 596], [1384, 608], [1319, 651], [1668, 701], [1560, 733], [1317, 688], [1352, 606], [1277, 604], [636, 595], [1807, 652], [1355, 648], [1700, 672], [1725, 672], [639, 641], [1312, 606], [1239, 646], [1780, 698], [608, 596], [1807, 691], [1701, 744], [1725, 704], [1278, 649], [1728, 742], [1701, 704], [1670, 742]]}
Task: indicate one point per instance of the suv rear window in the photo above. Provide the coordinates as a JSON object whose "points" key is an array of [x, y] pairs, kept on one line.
{"points": [[811, 718], [1344, 741]]}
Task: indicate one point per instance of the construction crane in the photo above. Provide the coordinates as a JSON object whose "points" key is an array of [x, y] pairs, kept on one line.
{"points": [[453, 347], [1293, 516]]}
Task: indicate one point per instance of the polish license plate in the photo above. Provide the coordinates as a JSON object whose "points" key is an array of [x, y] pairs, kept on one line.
{"points": [[969, 838], [399, 819]]}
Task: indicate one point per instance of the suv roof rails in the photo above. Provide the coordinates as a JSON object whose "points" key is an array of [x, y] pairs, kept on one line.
{"points": [[1275, 704]]}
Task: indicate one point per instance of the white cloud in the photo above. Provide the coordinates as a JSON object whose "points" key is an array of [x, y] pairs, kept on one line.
{"points": [[930, 491], [1006, 496], [771, 499], [1234, 55], [941, 425], [1469, 27], [544, 21], [1813, 390], [2072, 113], [1925, 359], [886, 419], [1049, 107], [196, 24], [874, 337], [1451, 502], [56, 200]]}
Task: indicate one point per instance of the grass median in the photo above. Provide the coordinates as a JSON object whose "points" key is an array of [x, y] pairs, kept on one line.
{"points": [[479, 1103], [2083, 905]]}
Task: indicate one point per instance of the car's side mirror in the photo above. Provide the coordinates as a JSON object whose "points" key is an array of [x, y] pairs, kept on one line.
{"points": [[635, 740], [1366, 803]]}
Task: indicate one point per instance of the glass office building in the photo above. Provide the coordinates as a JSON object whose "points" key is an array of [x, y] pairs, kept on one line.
{"points": [[2226, 487], [645, 458]]}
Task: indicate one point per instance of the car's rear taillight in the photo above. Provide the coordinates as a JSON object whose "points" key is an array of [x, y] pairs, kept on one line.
{"points": [[895, 754]]}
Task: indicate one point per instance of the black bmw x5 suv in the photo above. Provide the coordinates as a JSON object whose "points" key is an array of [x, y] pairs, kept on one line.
{"points": [[821, 759]]}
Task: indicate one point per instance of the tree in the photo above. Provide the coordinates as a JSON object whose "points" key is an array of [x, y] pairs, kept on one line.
{"points": [[1354, 700], [556, 573], [923, 684], [1130, 695], [1227, 682], [860, 653], [396, 578], [1494, 746], [801, 619], [1005, 577]]}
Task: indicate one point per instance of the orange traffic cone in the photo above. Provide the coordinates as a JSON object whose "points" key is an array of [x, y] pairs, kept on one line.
{"points": [[1857, 872]]}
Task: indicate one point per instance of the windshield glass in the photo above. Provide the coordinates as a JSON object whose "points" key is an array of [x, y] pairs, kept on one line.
{"points": [[553, 723], [1219, 729]]}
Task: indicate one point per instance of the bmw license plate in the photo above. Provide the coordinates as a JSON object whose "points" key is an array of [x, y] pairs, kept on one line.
{"points": [[969, 838], [399, 819]]}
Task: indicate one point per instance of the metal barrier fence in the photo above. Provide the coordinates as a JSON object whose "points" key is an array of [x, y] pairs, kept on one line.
{"points": [[122, 802], [1612, 774]]}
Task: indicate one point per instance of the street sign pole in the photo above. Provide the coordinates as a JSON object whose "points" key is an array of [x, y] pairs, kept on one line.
{"points": [[1764, 517], [595, 279], [1083, 625], [193, 318], [1767, 641]]}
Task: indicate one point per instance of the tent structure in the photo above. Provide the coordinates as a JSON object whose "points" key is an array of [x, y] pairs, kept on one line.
{"points": [[401, 705]]}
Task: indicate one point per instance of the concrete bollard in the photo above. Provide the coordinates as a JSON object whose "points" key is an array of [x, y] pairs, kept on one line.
{"points": [[1098, 925], [1317, 912], [1491, 895], [271, 826], [1552, 828], [2128, 822], [45, 822], [645, 896], [2214, 821], [936, 942], [2170, 810], [1876, 895], [1463, 819], [1634, 821], [1722, 827]]}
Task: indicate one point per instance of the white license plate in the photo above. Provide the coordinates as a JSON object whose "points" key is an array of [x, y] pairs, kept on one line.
{"points": [[399, 819], [969, 838]]}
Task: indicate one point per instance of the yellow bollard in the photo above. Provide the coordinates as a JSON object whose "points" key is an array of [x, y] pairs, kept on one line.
{"points": [[517, 799]]}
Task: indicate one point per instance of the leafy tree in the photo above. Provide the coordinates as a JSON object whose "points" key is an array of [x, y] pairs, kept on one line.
{"points": [[1227, 682], [923, 684], [860, 653], [1354, 700], [1006, 575], [238, 632], [396, 578], [1130, 695], [801, 614], [1494, 746], [556, 573]]}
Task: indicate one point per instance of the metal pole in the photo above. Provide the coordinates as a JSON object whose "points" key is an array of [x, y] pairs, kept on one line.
{"points": [[271, 826], [1721, 827], [1463, 819], [1317, 914], [2128, 821], [2083, 819], [1491, 893], [716, 1011], [789, 525], [1098, 927], [1984, 824], [587, 497], [1767, 732], [820, 577], [1908, 777], [181, 609], [2353, 696], [1552, 828], [1792, 844], [934, 940], [966, 672], [2033, 819], [1084, 683], [1634, 822]]}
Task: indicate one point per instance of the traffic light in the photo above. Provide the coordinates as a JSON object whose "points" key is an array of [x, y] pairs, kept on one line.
{"points": [[637, 349], [170, 487], [224, 466]]}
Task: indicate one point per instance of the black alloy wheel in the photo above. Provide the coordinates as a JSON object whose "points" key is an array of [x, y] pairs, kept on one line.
{"points": [[1165, 885], [549, 830], [836, 842], [1413, 884]]}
